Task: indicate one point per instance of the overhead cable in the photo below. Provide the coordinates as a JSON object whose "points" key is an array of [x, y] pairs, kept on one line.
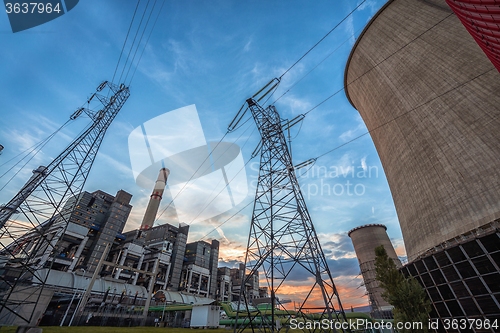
{"points": [[125, 42], [140, 40], [133, 41], [329, 32], [147, 41]]}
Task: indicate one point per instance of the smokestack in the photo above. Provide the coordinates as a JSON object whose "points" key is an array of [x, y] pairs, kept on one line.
{"points": [[154, 201]]}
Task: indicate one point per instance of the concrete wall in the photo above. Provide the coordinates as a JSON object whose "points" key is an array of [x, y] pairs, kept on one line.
{"points": [[365, 239], [431, 100]]}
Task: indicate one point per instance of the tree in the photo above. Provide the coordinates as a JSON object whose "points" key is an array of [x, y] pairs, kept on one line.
{"points": [[405, 294]]}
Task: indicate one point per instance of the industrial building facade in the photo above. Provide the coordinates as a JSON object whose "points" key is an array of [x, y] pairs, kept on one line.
{"points": [[430, 99], [98, 218], [183, 271], [141, 249], [199, 274]]}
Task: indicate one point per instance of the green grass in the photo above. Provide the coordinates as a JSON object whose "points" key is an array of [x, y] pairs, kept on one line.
{"points": [[107, 329]]}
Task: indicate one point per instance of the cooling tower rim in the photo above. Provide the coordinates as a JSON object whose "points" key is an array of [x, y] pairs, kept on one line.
{"points": [[356, 43], [348, 62], [366, 226]]}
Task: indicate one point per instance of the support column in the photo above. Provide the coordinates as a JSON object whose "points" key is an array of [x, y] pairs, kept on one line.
{"points": [[88, 291], [166, 275], [122, 261], [49, 248], [139, 264], [150, 291], [78, 253], [208, 286], [190, 276]]}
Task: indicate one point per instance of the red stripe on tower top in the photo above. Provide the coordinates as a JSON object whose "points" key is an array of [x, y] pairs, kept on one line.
{"points": [[481, 18]]}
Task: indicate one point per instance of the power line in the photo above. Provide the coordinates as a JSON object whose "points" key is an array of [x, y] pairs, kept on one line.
{"points": [[227, 184], [368, 71], [403, 114], [362, 75], [147, 41], [383, 60], [274, 88], [125, 42], [140, 39], [324, 59], [33, 151], [388, 122], [136, 44], [201, 164], [33, 148], [133, 41], [227, 220], [329, 32], [335, 93]]}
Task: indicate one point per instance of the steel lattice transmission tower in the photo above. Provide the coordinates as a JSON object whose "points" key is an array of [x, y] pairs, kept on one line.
{"points": [[47, 199], [282, 241]]}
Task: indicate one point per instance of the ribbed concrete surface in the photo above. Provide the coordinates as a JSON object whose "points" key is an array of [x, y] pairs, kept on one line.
{"points": [[365, 239], [431, 100]]}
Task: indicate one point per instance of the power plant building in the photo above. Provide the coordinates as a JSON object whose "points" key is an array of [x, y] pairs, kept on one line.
{"points": [[224, 284], [252, 288], [97, 219], [365, 239], [141, 249], [199, 274], [430, 99]]}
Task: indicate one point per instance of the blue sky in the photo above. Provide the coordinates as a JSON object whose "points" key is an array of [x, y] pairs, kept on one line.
{"points": [[214, 54]]}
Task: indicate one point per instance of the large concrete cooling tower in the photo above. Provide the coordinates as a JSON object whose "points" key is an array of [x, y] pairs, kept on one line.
{"points": [[365, 239], [431, 100]]}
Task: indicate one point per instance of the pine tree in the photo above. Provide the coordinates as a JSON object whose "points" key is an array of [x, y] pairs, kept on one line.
{"points": [[405, 294]]}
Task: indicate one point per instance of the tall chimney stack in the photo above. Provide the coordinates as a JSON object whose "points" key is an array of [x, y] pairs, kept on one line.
{"points": [[154, 201]]}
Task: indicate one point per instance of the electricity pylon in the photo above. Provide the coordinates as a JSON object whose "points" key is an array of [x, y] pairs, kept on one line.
{"points": [[282, 242], [48, 199]]}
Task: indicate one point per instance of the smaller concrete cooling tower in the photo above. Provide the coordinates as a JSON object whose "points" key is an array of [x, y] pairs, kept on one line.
{"points": [[154, 201], [365, 239]]}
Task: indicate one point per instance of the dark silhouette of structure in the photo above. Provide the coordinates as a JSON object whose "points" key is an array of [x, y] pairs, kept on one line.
{"points": [[43, 203], [282, 237]]}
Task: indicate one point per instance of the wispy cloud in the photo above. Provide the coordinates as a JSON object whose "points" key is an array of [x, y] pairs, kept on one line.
{"points": [[248, 45], [356, 131], [363, 164], [295, 105], [116, 165]]}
